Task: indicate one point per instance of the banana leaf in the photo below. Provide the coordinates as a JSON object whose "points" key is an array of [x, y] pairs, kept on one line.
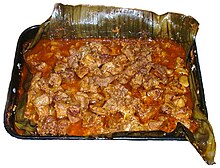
{"points": [[85, 21]]}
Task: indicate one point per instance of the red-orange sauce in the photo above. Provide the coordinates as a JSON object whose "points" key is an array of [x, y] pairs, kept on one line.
{"points": [[163, 53]]}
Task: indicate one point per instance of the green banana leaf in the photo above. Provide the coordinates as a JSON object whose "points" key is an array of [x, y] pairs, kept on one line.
{"points": [[85, 21]]}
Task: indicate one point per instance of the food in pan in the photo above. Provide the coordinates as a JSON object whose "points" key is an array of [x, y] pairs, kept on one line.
{"points": [[106, 72], [87, 87]]}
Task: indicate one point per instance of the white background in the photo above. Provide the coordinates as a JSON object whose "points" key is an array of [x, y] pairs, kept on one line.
{"points": [[16, 16]]}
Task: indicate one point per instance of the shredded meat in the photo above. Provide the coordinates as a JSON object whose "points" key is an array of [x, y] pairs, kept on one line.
{"points": [[98, 86]]}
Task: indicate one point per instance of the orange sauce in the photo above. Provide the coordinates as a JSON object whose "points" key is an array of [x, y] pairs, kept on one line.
{"points": [[50, 51]]}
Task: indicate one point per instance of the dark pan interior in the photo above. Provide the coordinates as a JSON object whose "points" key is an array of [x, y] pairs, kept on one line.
{"points": [[12, 99]]}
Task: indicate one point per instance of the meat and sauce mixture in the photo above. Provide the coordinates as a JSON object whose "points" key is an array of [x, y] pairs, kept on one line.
{"points": [[85, 87]]}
